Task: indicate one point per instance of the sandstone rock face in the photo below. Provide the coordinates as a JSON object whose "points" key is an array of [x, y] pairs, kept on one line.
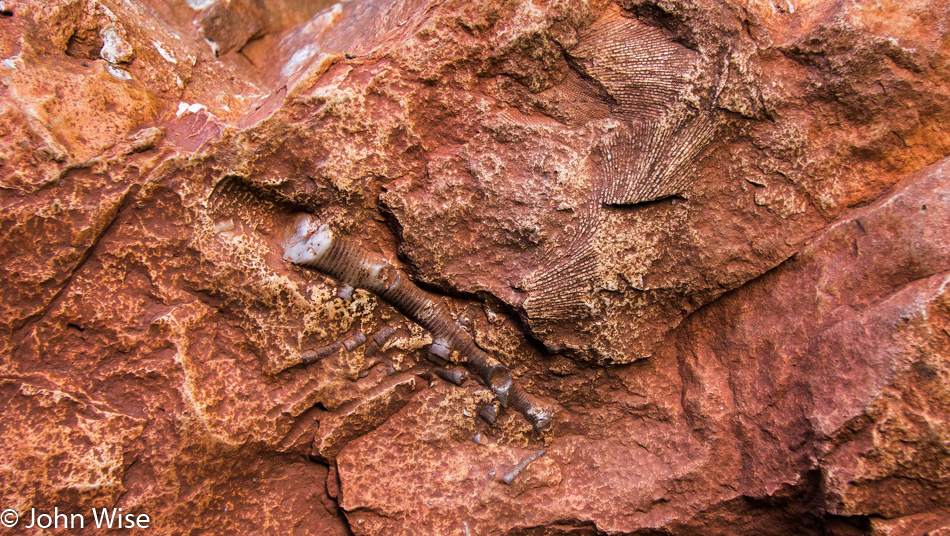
{"points": [[715, 236]]}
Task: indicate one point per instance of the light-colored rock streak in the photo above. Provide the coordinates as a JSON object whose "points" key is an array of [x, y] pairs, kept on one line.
{"points": [[312, 244]]}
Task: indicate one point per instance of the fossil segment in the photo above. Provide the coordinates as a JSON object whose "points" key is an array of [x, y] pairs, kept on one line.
{"points": [[651, 161]]}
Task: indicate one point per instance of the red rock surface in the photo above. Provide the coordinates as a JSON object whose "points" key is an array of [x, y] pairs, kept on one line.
{"points": [[763, 352]]}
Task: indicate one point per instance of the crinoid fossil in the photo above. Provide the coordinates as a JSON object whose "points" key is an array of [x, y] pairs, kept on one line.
{"points": [[238, 206], [311, 244]]}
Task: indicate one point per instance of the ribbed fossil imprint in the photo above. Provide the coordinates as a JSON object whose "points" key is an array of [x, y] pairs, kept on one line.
{"points": [[641, 69], [313, 245], [657, 132], [652, 160], [558, 289]]}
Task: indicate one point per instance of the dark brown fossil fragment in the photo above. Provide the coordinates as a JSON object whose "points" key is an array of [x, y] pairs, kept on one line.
{"points": [[378, 340], [311, 244], [511, 475], [489, 413], [312, 356], [451, 376]]}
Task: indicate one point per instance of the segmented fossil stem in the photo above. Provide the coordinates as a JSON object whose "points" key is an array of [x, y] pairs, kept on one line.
{"points": [[350, 343], [383, 335], [354, 342], [451, 376], [525, 404], [313, 356], [509, 478], [489, 413], [310, 244], [378, 340]]}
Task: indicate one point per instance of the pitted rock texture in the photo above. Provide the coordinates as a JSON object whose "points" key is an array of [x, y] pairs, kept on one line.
{"points": [[714, 235]]}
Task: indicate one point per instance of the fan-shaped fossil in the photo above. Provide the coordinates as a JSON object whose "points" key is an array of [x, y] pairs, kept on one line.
{"points": [[559, 288], [654, 138], [642, 70], [651, 161]]}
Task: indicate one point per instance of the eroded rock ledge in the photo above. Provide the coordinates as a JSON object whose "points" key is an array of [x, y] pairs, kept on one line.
{"points": [[712, 235]]}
